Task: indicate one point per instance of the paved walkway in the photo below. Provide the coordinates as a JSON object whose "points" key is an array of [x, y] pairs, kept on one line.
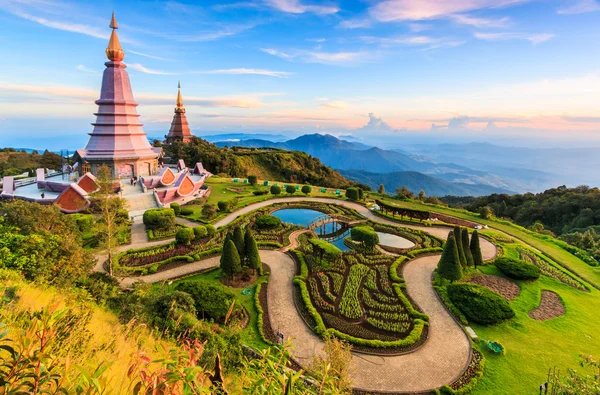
{"points": [[441, 360]]}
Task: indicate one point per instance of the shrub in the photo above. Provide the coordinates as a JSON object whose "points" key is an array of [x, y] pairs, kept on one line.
{"points": [[517, 269], [84, 222], [449, 264], [275, 190], [176, 208], [210, 230], [366, 235], [200, 232], [260, 193], [209, 211], [267, 221], [187, 211], [306, 189], [476, 249], [210, 300], [352, 194], [290, 189], [227, 205], [159, 218], [231, 264], [479, 304], [252, 180], [122, 216], [184, 236], [172, 305]]}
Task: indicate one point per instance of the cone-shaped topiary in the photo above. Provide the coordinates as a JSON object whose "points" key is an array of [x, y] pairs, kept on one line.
{"points": [[449, 265], [238, 240], [252, 256], [476, 249], [466, 248], [461, 253], [230, 260], [227, 238]]}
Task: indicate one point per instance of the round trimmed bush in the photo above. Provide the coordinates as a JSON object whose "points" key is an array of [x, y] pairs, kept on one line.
{"points": [[306, 189], [184, 236], [159, 218], [517, 269], [187, 211], [479, 304], [176, 208], [259, 193], [210, 230], [290, 189], [275, 190], [200, 232], [267, 221]]}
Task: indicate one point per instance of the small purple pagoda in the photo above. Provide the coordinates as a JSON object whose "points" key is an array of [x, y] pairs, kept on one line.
{"points": [[180, 129], [118, 139]]}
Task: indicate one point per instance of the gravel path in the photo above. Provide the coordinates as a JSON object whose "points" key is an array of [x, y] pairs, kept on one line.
{"points": [[441, 360]]}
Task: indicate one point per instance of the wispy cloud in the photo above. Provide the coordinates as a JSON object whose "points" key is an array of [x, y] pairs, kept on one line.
{"points": [[533, 38], [297, 7], [356, 23], [425, 41], [236, 5], [225, 31], [279, 54], [580, 7], [87, 70], [245, 71], [418, 27], [479, 22], [335, 105], [583, 119], [145, 55], [406, 10], [143, 69], [65, 26], [317, 56]]}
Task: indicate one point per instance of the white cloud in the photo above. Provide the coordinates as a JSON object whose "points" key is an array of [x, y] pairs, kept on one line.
{"points": [[65, 26], [418, 27], [335, 105], [279, 54], [143, 69], [145, 55], [242, 71], [87, 70], [297, 7], [317, 40], [533, 38], [580, 7], [226, 31], [355, 23], [336, 57], [375, 125], [479, 22], [406, 10], [426, 41]]}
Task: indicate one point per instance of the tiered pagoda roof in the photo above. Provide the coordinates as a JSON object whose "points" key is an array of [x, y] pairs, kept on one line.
{"points": [[180, 129]]}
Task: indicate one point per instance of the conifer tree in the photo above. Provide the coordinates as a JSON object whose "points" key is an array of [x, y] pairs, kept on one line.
{"points": [[252, 256], [230, 260], [458, 239], [449, 264], [466, 247], [238, 240], [227, 238], [476, 249]]}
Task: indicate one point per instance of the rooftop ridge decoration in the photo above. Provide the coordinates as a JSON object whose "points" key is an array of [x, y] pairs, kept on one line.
{"points": [[114, 52]]}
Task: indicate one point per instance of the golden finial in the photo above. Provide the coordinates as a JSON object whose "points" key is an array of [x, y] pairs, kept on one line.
{"points": [[179, 102], [114, 51]]}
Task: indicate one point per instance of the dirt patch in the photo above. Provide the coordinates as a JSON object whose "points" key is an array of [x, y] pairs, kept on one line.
{"points": [[505, 288], [550, 307]]}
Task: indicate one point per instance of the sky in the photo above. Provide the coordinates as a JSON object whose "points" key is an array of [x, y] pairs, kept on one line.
{"points": [[512, 72]]}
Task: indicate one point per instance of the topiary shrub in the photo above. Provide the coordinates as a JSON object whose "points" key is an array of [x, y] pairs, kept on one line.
{"points": [[159, 218], [252, 180], [267, 221], [187, 211], [210, 300], [290, 189], [479, 304], [210, 230], [352, 194], [176, 208], [306, 189], [275, 190], [366, 235], [200, 232], [184, 236], [517, 269], [84, 222], [259, 193]]}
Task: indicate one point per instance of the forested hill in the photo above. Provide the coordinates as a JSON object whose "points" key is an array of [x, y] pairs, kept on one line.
{"points": [[265, 163], [571, 213], [14, 162]]}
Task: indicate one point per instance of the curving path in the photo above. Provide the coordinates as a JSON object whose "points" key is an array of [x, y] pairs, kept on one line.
{"points": [[441, 360]]}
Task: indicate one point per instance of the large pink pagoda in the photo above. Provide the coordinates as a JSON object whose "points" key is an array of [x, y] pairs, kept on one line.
{"points": [[180, 129], [118, 139]]}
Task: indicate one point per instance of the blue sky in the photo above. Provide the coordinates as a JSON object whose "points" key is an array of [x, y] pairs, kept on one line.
{"points": [[506, 71]]}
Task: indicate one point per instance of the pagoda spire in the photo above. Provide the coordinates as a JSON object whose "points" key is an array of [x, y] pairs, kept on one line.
{"points": [[114, 52], [179, 101]]}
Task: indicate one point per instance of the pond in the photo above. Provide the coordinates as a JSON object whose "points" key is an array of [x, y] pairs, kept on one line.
{"points": [[388, 239], [300, 216]]}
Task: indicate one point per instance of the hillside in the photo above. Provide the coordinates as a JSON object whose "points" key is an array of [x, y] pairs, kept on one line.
{"points": [[268, 164], [13, 162], [416, 181]]}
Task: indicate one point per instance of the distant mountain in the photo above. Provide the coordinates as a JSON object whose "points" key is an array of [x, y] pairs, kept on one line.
{"points": [[346, 155], [244, 136], [416, 181]]}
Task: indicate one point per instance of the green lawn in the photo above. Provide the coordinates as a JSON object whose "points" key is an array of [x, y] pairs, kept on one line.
{"points": [[249, 335], [591, 274], [532, 347]]}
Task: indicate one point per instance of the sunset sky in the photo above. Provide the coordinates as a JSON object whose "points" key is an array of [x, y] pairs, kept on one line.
{"points": [[506, 71]]}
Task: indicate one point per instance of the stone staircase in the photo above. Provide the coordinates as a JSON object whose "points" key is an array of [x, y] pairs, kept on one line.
{"points": [[138, 203]]}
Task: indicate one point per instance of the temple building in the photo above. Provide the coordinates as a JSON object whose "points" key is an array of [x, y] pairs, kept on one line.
{"points": [[180, 129], [117, 139]]}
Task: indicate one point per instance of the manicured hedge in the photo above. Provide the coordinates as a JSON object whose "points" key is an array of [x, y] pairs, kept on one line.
{"points": [[159, 218], [267, 221], [394, 269], [176, 208], [211, 300], [260, 312], [84, 222], [186, 211], [200, 232], [260, 193], [423, 251], [479, 304], [409, 307], [516, 269], [184, 236]]}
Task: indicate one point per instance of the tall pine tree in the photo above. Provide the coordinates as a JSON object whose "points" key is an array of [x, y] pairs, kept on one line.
{"points": [[227, 238], [230, 260], [238, 240], [476, 249], [449, 266], [466, 247], [252, 256], [458, 239]]}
